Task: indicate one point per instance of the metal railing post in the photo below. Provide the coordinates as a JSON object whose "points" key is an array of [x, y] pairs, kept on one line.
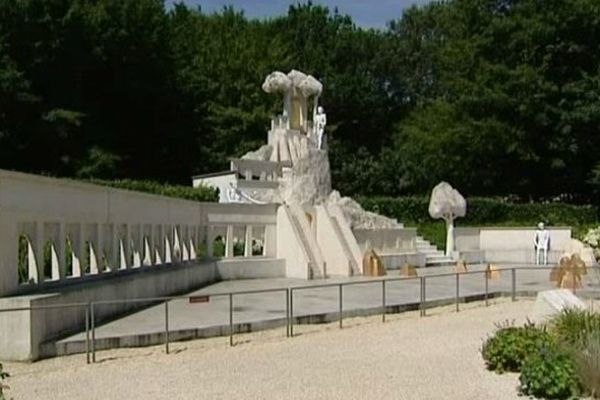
{"points": [[487, 282], [513, 284], [424, 296], [231, 319], [341, 306], [291, 312], [422, 291], [93, 323], [383, 311], [87, 333], [287, 312], [167, 326], [457, 297]]}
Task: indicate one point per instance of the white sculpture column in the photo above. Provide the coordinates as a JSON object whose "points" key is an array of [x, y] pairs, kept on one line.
{"points": [[447, 203]]}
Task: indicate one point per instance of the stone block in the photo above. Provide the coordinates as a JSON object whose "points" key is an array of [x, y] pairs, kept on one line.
{"points": [[552, 302]]}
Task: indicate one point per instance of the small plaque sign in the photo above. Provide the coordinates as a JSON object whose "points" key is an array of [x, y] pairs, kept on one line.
{"points": [[199, 299]]}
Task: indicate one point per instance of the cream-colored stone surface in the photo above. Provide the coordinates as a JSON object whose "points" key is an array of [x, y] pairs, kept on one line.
{"points": [[357, 216], [308, 182]]}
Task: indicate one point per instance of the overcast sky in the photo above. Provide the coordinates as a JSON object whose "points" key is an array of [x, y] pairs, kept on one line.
{"points": [[366, 13]]}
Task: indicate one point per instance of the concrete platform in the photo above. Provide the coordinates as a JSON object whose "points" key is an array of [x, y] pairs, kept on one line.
{"points": [[311, 304]]}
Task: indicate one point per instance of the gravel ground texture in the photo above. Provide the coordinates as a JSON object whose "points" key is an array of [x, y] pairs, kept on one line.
{"points": [[408, 357]]}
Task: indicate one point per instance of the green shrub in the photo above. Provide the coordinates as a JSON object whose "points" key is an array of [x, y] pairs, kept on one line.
{"points": [[587, 360], [434, 231], [550, 373], [510, 346], [239, 249], [485, 211], [219, 247], [206, 194], [572, 326]]}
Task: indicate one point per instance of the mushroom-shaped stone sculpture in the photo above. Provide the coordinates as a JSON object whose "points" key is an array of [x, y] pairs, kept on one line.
{"points": [[278, 82], [448, 204], [310, 87]]}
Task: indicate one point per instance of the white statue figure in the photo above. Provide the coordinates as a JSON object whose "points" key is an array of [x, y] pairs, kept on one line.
{"points": [[541, 242], [320, 122]]}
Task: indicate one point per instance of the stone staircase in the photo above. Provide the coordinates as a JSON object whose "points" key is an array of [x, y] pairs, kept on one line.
{"points": [[434, 257]]}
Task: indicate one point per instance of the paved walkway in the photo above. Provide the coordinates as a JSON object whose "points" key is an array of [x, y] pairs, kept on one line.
{"points": [[262, 310]]}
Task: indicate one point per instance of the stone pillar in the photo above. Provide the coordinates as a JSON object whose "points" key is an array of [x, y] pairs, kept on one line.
{"points": [[248, 242], [36, 271], [78, 252], [209, 241], [97, 264], [229, 242], [59, 271]]}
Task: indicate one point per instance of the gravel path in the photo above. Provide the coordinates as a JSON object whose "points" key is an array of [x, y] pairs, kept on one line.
{"points": [[436, 357]]}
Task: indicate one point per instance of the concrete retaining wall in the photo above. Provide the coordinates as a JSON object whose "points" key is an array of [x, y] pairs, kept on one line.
{"points": [[387, 240], [24, 331], [507, 244], [250, 269], [396, 261]]}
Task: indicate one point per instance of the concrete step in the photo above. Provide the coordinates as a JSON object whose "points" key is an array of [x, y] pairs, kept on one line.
{"points": [[428, 251], [440, 263], [433, 256], [437, 254]]}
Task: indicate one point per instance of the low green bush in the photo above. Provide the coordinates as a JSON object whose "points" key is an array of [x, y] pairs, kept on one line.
{"points": [[572, 326], [510, 346], [550, 373], [587, 360], [485, 211], [205, 194]]}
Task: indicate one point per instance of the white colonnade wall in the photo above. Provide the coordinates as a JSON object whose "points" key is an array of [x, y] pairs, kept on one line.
{"points": [[56, 230]]}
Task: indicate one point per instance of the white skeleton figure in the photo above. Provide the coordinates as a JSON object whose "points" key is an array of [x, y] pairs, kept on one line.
{"points": [[541, 242], [320, 122]]}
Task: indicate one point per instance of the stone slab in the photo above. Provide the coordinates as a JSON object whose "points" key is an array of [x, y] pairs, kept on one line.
{"points": [[552, 302]]}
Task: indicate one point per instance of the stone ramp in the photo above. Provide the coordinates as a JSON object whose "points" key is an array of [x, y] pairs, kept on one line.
{"points": [[314, 304]]}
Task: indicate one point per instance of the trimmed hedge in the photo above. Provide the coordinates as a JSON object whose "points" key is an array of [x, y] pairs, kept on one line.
{"points": [[205, 194], [484, 211]]}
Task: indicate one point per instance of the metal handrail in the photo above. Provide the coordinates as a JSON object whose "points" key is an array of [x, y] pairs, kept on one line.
{"points": [[90, 320]]}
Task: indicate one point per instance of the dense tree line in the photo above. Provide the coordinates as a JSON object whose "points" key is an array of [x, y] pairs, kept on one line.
{"points": [[496, 96]]}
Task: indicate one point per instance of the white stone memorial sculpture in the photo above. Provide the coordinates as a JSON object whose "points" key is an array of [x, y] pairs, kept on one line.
{"points": [[447, 203], [541, 242]]}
